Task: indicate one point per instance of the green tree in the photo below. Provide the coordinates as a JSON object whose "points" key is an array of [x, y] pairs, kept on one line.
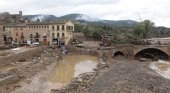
{"points": [[148, 28], [96, 35], [144, 29], [87, 32], [78, 28]]}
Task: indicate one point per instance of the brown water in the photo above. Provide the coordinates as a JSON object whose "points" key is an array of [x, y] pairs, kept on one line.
{"points": [[72, 66], [162, 68]]}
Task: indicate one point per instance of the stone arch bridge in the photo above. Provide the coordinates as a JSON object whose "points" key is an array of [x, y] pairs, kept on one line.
{"points": [[138, 51]]}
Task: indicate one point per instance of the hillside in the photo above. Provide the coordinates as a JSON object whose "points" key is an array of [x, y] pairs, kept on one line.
{"points": [[82, 19]]}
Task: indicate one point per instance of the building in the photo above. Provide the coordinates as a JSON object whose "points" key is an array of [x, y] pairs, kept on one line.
{"points": [[63, 31], [14, 32], [7, 18], [15, 28], [11, 18], [45, 33]]}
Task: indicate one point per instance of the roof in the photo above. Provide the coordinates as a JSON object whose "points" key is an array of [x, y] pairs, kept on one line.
{"points": [[16, 25], [45, 23], [33, 23]]}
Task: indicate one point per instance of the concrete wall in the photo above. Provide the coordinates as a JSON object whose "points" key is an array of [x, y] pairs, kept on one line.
{"points": [[20, 56]]}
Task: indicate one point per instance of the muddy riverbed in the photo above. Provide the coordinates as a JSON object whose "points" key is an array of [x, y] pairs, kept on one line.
{"points": [[59, 74], [54, 71]]}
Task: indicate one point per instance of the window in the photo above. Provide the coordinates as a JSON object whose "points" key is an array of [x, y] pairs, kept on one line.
{"points": [[58, 27], [71, 27], [53, 28], [62, 34], [63, 27], [31, 35], [3, 28], [67, 27], [37, 35], [22, 35], [58, 35], [16, 33]]}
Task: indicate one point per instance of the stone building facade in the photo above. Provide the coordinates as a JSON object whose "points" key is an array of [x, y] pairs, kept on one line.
{"points": [[8, 19], [15, 28], [41, 32]]}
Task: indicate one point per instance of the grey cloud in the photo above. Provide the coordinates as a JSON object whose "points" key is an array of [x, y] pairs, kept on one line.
{"points": [[155, 10]]}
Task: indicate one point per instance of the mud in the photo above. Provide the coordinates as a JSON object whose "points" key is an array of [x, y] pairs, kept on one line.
{"points": [[45, 73], [12, 75]]}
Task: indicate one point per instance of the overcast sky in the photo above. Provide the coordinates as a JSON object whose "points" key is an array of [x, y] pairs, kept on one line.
{"points": [[155, 10]]}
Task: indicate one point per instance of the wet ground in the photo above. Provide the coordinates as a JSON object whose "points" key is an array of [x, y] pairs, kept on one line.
{"points": [[59, 75]]}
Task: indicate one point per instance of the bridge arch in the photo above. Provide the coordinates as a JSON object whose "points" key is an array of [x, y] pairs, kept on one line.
{"points": [[118, 53], [151, 53]]}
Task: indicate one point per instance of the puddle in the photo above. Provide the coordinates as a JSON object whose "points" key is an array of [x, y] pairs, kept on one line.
{"points": [[11, 66], [72, 66], [162, 68]]}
